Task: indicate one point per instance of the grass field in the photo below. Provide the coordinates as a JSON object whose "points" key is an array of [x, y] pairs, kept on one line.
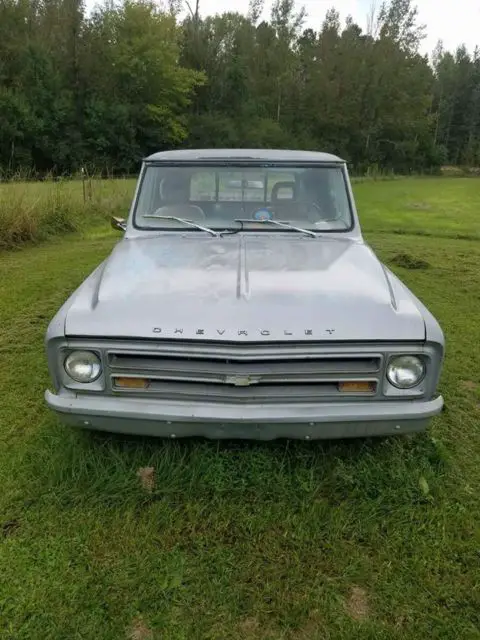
{"points": [[295, 541]]}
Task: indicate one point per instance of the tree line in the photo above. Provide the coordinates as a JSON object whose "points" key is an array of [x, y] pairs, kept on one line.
{"points": [[100, 90]]}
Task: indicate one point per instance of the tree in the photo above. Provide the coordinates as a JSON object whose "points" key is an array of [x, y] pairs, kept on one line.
{"points": [[105, 89], [398, 20], [255, 10], [102, 90], [456, 105]]}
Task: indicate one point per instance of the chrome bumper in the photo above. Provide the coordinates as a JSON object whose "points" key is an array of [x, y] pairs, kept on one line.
{"points": [[258, 422]]}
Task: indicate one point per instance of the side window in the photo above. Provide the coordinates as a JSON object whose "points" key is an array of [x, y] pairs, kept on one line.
{"points": [[241, 186], [281, 186], [284, 191], [254, 187], [230, 186], [202, 186]]}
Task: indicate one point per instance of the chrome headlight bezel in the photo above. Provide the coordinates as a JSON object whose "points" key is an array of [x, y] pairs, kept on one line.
{"points": [[86, 358], [408, 362]]}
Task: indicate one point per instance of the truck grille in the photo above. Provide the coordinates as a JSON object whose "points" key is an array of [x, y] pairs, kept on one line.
{"points": [[242, 374]]}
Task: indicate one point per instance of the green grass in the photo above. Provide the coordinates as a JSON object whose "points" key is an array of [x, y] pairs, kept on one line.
{"points": [[305, 541], [439, 207]]}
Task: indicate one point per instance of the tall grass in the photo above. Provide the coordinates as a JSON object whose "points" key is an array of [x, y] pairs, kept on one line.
{"points": [[32, 212]]}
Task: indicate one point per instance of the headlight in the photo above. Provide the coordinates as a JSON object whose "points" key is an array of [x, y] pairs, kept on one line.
{"points": [[83, 366], [405, 372]]}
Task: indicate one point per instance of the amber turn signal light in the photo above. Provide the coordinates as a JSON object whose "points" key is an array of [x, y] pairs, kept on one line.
{"points": [[357, 386], [131, 383]]}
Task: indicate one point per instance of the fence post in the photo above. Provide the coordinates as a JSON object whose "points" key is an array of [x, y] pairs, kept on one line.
{"points": [[82, 170]]}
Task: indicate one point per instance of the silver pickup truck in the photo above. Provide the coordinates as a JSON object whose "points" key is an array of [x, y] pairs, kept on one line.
{"points": [[243, 302]]}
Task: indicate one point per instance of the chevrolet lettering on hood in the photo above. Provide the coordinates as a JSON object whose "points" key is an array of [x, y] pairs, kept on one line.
{"points": [[243, 302], [241, 332]]}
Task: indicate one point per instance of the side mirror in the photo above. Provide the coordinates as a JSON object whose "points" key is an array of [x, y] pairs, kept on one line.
{"points": [[119, 224]]}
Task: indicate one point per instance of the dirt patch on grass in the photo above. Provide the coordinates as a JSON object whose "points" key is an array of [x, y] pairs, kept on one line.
{"points": [[147, 478], [420, 206], [250, 627], [470, 385], [472, 388], [407, 261], [139, 631], [313, 626], [357, 604]]}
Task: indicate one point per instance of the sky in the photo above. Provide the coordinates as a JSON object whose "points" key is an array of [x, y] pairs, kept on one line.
{"points": [[453, 21]]}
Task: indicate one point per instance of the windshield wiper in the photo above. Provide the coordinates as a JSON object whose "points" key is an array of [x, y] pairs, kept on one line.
{"points": [[190, 223], [280, 223]]}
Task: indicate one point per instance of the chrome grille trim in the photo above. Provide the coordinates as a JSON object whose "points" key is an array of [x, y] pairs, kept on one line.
{"points": [[197, 366], [244, 352], [198, 371], [243, 395]]}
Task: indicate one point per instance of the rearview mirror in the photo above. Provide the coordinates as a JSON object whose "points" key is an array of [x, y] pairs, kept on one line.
{"points": [[118, 223]]}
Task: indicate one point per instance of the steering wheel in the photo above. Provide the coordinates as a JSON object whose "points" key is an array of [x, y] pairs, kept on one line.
{"points": [[189, 211]]}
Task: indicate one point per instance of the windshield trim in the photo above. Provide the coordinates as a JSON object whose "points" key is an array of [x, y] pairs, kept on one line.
{"points": [[212, 162], [243, 162]]}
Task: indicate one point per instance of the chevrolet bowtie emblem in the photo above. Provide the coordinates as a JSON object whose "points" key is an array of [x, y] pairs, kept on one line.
{"points": [[241, 381]]}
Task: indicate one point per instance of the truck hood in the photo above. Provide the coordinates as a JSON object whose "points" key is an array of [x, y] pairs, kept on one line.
{"points": [[243, 287]]}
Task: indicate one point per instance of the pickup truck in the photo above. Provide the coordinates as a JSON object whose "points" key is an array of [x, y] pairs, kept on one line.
{"points": [[243, 302]]}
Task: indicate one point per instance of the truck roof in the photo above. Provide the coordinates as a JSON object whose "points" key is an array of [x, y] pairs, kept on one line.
{"points": [[269, 155]]}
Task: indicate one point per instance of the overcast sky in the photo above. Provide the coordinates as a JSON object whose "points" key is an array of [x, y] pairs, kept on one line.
{"points": [[453, 21]]}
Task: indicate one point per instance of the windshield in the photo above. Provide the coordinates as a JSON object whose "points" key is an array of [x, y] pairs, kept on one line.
{"points": [[308, 197]]}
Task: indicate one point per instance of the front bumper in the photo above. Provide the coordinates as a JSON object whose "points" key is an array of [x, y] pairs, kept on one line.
{"points": [[257, 422]]}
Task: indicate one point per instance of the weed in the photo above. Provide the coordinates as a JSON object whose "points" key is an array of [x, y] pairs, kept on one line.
{"points": [[408, 262]]}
